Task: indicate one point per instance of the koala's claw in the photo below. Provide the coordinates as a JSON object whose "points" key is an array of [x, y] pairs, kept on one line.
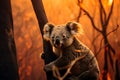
{"points": [[43, 56]]}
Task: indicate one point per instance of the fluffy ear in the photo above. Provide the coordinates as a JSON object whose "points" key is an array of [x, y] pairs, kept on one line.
{"points": [[47, 31], [74, 28]]}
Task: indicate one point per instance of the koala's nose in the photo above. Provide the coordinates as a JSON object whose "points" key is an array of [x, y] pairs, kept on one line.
{"points": [[57, 41]]}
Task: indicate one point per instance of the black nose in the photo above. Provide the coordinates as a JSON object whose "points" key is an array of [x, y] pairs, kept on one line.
{"points": [[57, 41]]}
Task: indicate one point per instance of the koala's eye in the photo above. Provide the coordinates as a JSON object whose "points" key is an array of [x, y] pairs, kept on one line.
{"points": [[64, 36], [52, 37]]}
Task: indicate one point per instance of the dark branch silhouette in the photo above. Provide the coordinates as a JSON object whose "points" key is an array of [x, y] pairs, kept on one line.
{"points": [[113, 30], [48, 55], [8, 57], [91, 19], [104, 20], [102, 13], [110, 13]]}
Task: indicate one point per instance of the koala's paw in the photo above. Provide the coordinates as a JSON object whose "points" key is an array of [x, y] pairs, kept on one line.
{"points": [[47, 67]]}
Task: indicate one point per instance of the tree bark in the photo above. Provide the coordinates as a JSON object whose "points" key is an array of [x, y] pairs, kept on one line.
{"points": [[8, 59], [117, 75], [42, 20], [107, 54]]}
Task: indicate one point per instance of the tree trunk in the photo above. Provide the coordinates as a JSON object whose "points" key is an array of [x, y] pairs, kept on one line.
{"points": [[107, 55], [116, 69], [42, 20], [8, 60], [105, 68]]}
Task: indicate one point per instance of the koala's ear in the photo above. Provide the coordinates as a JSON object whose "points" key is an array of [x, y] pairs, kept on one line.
{"points": [[47, 31], [74, 28]]}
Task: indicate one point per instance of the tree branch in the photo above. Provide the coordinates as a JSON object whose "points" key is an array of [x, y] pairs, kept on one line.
{"points": [[109, 15], [113, 30], [93, 43], [91, 19], [42, 20], [102, 13], [56, 72], [108, 35], [40, 13], [79, 1], [108, 44]]}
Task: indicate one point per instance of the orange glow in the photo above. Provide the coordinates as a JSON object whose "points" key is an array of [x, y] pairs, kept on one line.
{"points": [[29, 40], [107, 3], [108, 77], [110, 2]]}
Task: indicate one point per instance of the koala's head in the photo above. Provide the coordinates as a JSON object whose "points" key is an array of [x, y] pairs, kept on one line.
{"points": [[61, 35]]}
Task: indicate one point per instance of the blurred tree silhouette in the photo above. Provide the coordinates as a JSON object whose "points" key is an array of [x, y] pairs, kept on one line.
{"points": [[48, 55], [8, 61], [104, 16]]}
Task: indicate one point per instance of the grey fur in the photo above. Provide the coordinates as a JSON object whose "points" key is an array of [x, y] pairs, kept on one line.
{"points": [[84, 69]]}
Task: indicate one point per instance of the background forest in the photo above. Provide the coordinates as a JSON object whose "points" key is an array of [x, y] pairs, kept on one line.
{"points": [[100, 20]]}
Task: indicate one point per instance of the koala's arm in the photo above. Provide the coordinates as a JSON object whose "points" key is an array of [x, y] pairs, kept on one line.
{"points": [[60, 63]]}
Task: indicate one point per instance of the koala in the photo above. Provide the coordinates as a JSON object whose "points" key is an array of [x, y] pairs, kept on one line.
{"points": [[67, 48]]}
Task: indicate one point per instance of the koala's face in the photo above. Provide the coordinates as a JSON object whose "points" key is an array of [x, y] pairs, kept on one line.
{"points": [[61, 35]]}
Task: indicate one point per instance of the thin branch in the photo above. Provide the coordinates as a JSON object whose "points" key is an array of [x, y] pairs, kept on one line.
{"points": [[91, 19], [93, 43], [102, 13], [111, 48], [56, 72], [109, 15], [113, 30], [108, 43], [101, 47], [110, 58], [79, 10]]}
